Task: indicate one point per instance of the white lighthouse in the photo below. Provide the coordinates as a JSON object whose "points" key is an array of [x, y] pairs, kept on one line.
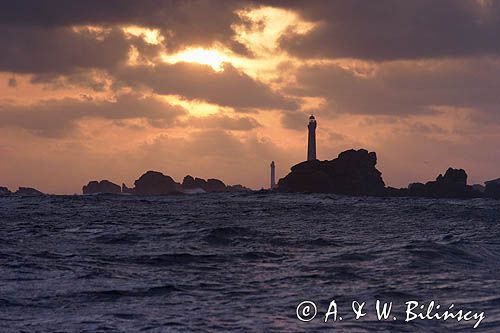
{"points": [[273, 175], [311, 142]]}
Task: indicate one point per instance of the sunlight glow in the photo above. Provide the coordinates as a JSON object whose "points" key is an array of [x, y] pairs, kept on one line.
{"points": [[99, 32], [150, 36], [213, 58], [263, 27], [195, 108]]}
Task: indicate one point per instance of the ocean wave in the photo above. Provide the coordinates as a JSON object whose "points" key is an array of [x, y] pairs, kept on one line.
{"points": [[240, 262]]}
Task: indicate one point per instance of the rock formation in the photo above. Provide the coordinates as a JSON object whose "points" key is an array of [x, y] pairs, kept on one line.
{"points": [[238, 188], [452, 185], [28, 191], [156, 183], [353, 172], [104, 186], [478, 188], [126, 189], [190, 185], [4, 191], [492, 188], [215, 185]]}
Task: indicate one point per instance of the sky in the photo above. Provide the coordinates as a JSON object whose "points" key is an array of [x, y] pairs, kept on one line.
{"points": [[93, 90]]}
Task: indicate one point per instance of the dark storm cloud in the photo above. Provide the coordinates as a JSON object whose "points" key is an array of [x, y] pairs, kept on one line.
{"points": [[200, 22], [58, 50], [31, 31], [56, 118], [394, 29], [230, 87], [404, 87], [79, 78]]}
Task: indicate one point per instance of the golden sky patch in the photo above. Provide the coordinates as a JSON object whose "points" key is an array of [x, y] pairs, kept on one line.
{"points": [[211, 57]]}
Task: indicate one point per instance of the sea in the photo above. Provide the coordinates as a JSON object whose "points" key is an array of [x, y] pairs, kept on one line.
{"points": [[248, 262]]}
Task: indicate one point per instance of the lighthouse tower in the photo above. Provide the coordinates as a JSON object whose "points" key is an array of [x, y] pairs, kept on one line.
{"points": [[273, 175], [311, 142]]}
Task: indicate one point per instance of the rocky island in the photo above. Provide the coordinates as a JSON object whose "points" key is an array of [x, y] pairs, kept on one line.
{"points": [[22, 191], [104, 186], [354, 172], [156, 183], [492, 188]]}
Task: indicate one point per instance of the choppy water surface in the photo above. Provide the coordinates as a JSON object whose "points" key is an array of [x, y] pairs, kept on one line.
{"points": [[242, 262]]}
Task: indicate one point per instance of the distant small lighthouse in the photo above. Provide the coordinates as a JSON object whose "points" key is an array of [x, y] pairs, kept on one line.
{"points": [[273, 175], [311, 142]]}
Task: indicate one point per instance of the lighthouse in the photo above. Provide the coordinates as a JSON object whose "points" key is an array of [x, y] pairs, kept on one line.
{"points": [[311, 142], [273, 175]]}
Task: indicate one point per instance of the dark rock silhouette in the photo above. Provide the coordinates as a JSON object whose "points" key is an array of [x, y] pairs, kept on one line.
{"points": [[492, 188], [193, 186], [126, 189], [28, 191], [237, 188], [211, 185], [415, 189], [200, 183], [478, 188], [353, 172], [452, 185], [307, 176], [4, 191], [156, 183], [215, 185], [188, 183], [396, 192], [104, 186]]}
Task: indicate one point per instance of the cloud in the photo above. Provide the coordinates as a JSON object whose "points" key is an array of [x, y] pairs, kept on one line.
{"points": [[223, 122], [230, 87], [60, 37], [403, 87], [57, 117], [97, 81], [294, 120], [61, 50], [419, 87], [200, 22], [393, 29]]}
